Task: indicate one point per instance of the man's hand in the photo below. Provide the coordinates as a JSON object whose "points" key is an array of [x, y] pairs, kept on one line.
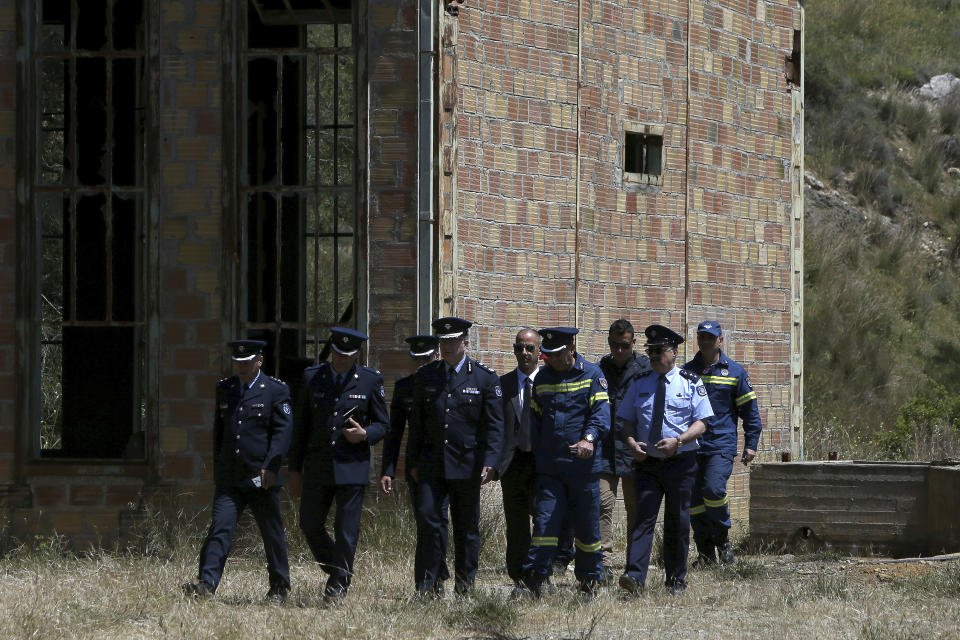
{"points": [[668, 446], [386, 484], [353, 432], [582, 449], [748, 456], [267, 478], [487, 474], [638, 449], [295, 483]]}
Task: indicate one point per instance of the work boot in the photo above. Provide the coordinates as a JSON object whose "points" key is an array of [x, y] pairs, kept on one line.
{"points": [[726, 552], [706, 554], [676, 587], [201, 589], [534, 582], [630, 585], [462, 588], [277, 595]]}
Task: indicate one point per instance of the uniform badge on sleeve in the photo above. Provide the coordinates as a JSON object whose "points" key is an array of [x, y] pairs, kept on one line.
{"points": [[603, 382], [746, 379], [497, 390], [701, 390], [383, 392], [286, 408]]}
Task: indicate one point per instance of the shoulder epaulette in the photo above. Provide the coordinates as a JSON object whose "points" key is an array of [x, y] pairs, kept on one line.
{"points": [[222, 380], [689, 375], [484, 367], [370, 369], [646, 373], [278, 380]]}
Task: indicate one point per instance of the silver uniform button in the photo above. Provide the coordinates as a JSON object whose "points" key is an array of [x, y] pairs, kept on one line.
{"points": [[238, 450]]}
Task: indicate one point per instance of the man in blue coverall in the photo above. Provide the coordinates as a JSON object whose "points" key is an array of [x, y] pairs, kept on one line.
{"points": [[732, 397], [341, 413], [660, 419], [571, 417]]}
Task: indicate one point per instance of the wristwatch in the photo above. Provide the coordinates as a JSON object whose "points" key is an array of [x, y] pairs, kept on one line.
{"points": [[590, 438]]}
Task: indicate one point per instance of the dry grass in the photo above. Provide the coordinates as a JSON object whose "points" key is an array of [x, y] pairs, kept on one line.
{"points": [[47, 592]]}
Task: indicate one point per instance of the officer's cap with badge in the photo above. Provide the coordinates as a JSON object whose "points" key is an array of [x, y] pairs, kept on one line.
{"points": [[422, 346], [661, 336], [345, 341], [710, 326], [556, 338], [243, 350], [449, 328]]}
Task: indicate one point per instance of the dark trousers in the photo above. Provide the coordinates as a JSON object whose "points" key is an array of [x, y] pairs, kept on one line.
{"points": [[463, 496], [556, 495], [228, 504], [656, 479], [444, 529], [335, 555], [709, 506], [519, 484]]}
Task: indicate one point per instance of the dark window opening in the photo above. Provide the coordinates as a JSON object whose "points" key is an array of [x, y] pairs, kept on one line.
{"points": [[88, 194], [642, 153], [793, 67], [298, 190]]}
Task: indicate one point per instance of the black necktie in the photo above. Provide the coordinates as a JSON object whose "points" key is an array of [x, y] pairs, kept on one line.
{"points": [[523, 432], [659, 400], [450, 373]]}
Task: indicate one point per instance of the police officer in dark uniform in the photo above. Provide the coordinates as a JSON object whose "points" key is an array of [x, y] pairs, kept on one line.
{"points": [[251, 435], [423, 349], [661, 417], [341, 413], [454, 444], [571, 417], [732, 398]]}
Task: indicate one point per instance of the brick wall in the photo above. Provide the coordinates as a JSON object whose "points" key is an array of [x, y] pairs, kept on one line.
{"points": [[712, 241]]}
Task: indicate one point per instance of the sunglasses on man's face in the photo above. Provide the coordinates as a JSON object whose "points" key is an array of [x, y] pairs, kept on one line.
{"points": [[529, 348]]}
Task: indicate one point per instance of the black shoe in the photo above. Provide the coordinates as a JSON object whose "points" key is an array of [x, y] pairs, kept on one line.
{"points": [[706, 554], [589, 589], [535, 583], [726, 553], [630, 585], [462, 589], [199, 589], [676, 587], [277, 595], [431, 592]]}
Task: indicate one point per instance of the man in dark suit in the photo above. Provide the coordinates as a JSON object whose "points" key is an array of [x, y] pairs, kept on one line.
{"points": [[516, 469], [251, 434], [423, 350], [341, 413], [454, 444]]}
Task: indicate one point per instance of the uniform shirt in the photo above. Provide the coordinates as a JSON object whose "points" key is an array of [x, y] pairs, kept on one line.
{"points": [[401, 406], [251, 430], [686, 402], [732, 397], [566, 406], [319, 446], [456, 424]]}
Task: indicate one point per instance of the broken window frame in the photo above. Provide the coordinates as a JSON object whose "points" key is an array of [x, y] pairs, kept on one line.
{"points": [[126, 305], [309, 328], [645, 140]]}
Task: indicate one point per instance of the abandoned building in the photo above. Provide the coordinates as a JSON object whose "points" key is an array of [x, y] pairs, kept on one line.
{"points": [[177, 173]]}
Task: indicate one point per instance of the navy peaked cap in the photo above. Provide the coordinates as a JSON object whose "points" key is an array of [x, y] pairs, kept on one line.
{"points": [[710, 326], [346, 341], [659, 335], [556, 338], [451, 327], [422, 345], [241, 350]]}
